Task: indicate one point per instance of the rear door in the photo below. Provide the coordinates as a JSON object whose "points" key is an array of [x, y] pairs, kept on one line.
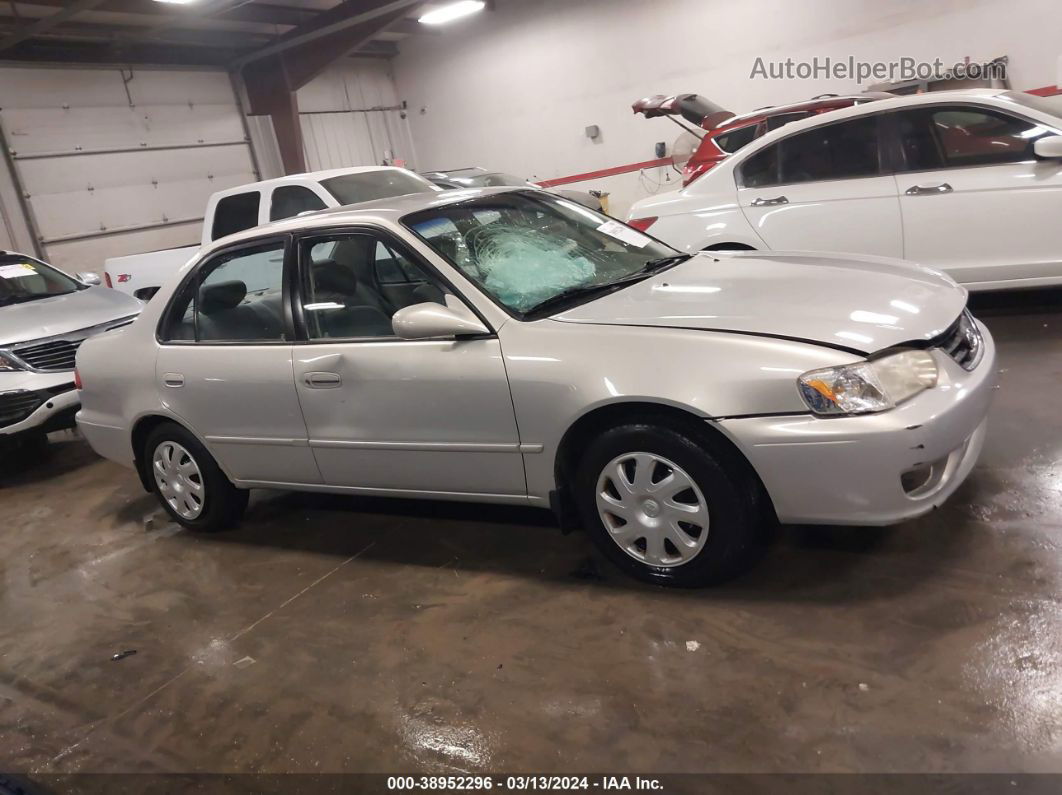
{"points": [[976, 202], [824, 189], [225, 365]]}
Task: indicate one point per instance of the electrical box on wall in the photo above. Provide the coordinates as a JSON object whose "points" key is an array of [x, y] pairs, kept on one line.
{"points": [[593, 132]]}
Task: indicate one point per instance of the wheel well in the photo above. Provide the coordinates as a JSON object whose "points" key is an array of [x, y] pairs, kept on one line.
{"points": [[728, 247], [583, 431], [143, 428]]}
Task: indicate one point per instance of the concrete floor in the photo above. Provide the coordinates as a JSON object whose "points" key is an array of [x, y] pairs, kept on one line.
{"points": [[340, 634]]}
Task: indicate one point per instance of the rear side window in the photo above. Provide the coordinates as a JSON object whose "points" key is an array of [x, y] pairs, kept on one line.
{"points": [[290, 200], [961, 136], [833, 151], [761, 169], [731, 141], [235, 297], [235, 213]]}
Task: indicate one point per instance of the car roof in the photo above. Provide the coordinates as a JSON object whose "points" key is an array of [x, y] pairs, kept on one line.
{"points": [[864, 109], [377, 211]]}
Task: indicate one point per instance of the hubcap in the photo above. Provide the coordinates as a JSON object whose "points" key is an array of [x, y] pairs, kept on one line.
{"points": [[652, 509], [179, 480]]}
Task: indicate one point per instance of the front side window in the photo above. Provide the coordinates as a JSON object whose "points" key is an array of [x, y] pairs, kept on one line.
{"points": [[833, 151], [529, 249], [235, 213], [960, 136], [368, 185], [352, 284], [235, 297], [290, 200], [26, 279]]}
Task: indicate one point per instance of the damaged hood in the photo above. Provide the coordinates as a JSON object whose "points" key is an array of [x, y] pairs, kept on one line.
{"points": [[861, 304], [61, 314]]}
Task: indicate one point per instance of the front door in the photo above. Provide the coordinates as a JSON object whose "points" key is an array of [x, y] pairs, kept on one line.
{"points": [[386, 415], [823, 190], [976, 202], [225, 367]]}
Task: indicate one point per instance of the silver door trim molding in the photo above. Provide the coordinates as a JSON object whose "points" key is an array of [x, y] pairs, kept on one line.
{"points": [[261, 440], [449, 447]]}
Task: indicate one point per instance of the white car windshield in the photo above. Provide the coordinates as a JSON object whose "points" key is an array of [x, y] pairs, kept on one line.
{"points": [[25, 279], [526, 249]]}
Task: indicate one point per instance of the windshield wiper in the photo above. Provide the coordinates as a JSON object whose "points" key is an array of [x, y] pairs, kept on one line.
{"points": [[654, 265]]}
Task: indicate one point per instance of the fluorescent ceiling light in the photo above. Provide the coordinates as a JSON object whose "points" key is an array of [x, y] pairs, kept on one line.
{"points": [[178, 2], [448, 13]]}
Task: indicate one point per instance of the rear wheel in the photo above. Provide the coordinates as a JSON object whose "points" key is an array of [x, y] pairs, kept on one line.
{"points": [[188, 482], [667, 508]]}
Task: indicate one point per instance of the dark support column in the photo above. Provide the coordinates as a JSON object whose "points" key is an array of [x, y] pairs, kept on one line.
{"points": [[273, 79]]}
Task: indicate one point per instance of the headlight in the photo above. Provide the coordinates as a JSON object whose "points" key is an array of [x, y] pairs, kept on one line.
{"points": [[7, 363], [869, 386]]}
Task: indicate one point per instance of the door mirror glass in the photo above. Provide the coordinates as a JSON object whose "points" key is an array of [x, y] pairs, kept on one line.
{"points": [[1049, 147], [424, 321], [89, 278]]}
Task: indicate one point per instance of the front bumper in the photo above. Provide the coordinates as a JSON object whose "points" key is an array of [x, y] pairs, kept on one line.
{"points": [[874, 469], [36, 402]]}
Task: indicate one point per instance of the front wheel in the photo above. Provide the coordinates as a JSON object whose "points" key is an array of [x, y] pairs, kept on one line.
{"points": [[666, 507], [188, 481]]}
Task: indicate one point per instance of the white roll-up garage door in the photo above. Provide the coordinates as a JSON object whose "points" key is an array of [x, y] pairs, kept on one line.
{"points": [[114, 162]]}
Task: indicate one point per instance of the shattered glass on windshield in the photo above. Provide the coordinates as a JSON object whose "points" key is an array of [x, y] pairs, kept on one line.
{"points": [[524, 249]]}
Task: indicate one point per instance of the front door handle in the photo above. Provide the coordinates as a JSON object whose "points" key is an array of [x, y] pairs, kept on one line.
{"points": [[323, 380], [761, 202], [173, 379], [929, 190]]}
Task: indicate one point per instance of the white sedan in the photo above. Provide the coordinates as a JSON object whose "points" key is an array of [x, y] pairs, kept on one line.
{"points": [[511, 346], [967, 182]]}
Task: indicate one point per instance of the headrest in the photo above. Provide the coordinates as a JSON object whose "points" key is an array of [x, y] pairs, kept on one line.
{"points": [[332, 277], [221, 296]]}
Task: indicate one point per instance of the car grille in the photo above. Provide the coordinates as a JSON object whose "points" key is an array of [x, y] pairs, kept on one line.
{"points": [[16, 406], [963, 342], [51, 356], [58, 353]]}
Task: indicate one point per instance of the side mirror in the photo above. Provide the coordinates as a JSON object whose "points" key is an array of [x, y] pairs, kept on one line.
{"points": [[89, 278], [1048, 147], [424, 321]]}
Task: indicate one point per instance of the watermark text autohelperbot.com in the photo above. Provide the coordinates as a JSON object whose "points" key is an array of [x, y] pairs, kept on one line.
{"points": [[850, 68]]}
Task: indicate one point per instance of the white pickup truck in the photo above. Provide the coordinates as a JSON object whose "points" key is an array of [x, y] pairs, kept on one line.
{"points": [[246, 206]]}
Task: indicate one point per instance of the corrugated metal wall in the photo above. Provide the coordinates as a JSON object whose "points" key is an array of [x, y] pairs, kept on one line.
{"points": [[339, 130], [117, 162]]}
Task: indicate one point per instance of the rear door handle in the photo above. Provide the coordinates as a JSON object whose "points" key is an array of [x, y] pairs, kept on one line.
{"points": [[929, 190], [761, 202], [320, 380], [173, 379]]}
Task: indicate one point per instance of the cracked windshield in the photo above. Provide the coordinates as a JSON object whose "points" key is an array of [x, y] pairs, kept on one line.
{"points": [[529, 250]]}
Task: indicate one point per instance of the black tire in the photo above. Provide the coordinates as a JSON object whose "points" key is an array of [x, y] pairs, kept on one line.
{"points": [[222, 504], [732, 494]]}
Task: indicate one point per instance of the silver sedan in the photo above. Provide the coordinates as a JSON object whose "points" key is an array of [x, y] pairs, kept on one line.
{"points": [[511, 346]]}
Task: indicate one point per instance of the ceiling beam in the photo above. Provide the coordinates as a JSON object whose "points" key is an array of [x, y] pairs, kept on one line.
{"points": [[88, 31], [346, 17], [69, 11], [53, 51], [260, 13]]}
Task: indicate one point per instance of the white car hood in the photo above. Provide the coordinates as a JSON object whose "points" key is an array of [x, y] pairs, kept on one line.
{"points": [[61, 314], [861, 304]]}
